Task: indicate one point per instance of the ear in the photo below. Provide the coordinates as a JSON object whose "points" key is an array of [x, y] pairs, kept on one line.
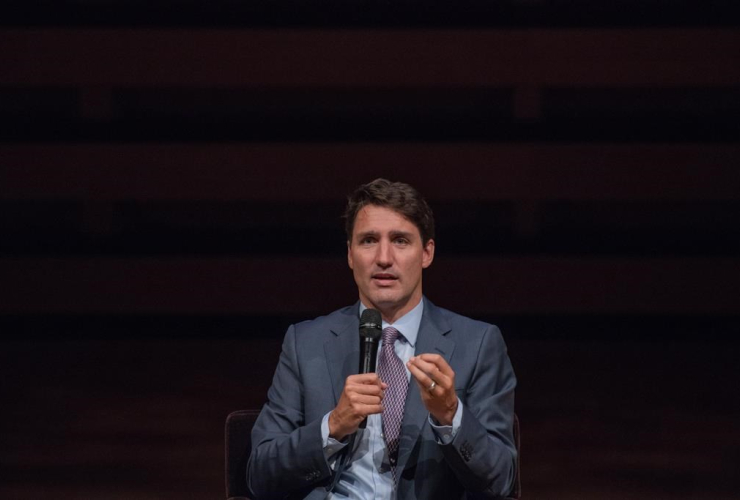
{"points": [[427, 255], [349, 255]]}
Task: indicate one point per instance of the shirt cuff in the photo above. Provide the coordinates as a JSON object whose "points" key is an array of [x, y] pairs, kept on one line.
{"points": [[445, 433], [330, 445]]}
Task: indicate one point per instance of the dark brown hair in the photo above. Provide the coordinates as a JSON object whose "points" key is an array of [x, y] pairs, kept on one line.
{"points": [[399, 197]]}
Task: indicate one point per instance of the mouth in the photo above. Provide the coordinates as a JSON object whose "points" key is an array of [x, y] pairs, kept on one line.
{"points": [[384, 278]]}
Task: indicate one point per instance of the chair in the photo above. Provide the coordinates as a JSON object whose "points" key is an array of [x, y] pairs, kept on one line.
{"points": [[238, 444]]}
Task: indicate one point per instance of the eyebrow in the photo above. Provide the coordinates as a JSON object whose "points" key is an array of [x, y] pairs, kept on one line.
{"points": [[403, 234], [393, 234]]}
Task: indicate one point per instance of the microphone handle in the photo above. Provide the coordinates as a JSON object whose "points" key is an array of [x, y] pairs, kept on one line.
{"points": [[369, 351]]}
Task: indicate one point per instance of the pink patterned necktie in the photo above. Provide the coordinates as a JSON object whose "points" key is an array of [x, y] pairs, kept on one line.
{"points": [[392, 372]]}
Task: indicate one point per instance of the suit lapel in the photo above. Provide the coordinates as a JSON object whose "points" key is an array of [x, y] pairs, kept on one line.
{"points": [[431, 339], [343, 351]]}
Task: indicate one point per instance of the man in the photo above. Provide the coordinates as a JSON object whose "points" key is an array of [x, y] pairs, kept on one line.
{"points": [[439, 411]]}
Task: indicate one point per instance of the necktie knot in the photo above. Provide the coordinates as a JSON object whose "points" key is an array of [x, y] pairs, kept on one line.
{"points": [[390, 335]]}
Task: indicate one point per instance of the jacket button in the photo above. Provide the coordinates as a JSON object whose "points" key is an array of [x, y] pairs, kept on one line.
{"points": [[465, 451]]}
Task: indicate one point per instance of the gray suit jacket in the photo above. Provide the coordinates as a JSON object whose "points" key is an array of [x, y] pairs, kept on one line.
{"points": [[287, 459]]}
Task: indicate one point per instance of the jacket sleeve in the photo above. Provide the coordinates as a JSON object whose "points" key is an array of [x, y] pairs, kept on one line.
{"points": [[483, 452], [287, 453]]}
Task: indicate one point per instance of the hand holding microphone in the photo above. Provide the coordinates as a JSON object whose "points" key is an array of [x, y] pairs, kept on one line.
{"points": [[363, 393]]}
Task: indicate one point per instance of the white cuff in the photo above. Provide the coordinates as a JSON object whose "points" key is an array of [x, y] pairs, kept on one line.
{"points": [[446, 433], [330, 445]]}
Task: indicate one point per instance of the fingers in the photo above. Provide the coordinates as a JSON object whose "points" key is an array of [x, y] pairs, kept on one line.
{"points": [[422, 379], [367, 379], [365, 393], [362, 396], [436, 381], [439, 362], [359, 406], [364, 378], [367, 383], [366, 389], [431, 368]]}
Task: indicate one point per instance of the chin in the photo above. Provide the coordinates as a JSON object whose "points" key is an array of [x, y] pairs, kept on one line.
{"points": [[387, 302]]}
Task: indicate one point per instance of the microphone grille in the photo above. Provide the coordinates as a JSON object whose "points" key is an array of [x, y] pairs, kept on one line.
{"points": [[371, 323]]}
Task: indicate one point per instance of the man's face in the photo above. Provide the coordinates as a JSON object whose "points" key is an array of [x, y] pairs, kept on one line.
{"points": [[386, 256]]}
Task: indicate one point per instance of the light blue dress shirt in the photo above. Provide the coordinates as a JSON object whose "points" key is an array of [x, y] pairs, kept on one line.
{"points": [[367, 474]]}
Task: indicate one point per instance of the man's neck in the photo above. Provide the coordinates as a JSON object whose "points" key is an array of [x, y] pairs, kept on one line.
{"points": [[390, 316]]}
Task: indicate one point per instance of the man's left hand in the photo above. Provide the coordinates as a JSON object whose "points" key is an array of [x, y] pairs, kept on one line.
{"points": [[436, 381]]}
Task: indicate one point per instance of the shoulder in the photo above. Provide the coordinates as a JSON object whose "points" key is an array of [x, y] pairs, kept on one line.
{"points": [[458, 323], [336, 320]]}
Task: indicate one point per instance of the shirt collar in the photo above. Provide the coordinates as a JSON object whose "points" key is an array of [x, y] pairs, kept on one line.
{"points": [[408, 324]]}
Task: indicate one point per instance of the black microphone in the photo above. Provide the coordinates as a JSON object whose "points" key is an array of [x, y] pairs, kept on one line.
{"points": [[370, 332]]}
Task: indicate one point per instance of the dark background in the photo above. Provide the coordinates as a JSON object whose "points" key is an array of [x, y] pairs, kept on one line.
{"points": [[172, 176]]}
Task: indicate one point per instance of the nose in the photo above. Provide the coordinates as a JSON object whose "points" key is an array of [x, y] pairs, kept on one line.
{"points": [[384, 258]]}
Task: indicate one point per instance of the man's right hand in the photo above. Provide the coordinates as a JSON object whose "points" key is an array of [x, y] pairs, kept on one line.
{"points": [[362, 396]]}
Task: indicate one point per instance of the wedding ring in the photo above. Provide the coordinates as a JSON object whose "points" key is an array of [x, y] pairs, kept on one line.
{"points": [[431, 387]]}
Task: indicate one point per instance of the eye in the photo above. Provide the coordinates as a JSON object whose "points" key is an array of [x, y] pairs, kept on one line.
{"points": [[367, 240], [401, 241]]}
